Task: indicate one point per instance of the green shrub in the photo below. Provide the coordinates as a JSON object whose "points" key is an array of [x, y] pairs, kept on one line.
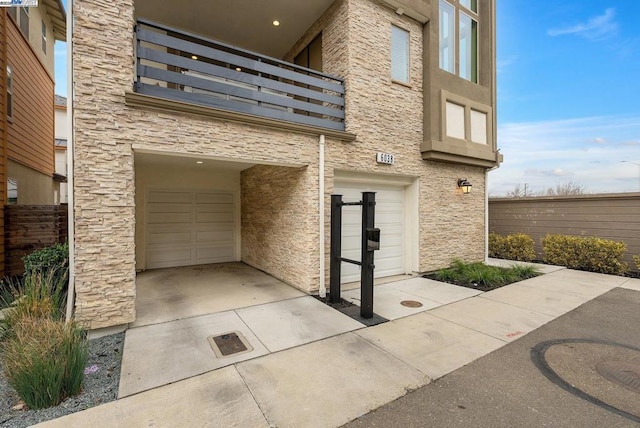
{"points": [[44, 360], [517, 246], [585, 253], [55, 257], [636, 260]]}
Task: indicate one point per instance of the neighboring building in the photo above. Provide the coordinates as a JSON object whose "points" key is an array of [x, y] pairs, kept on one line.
{"points": [[194, 144], [27, 36], [60, 145]]}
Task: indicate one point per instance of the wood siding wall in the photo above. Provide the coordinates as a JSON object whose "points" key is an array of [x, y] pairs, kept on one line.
{"points": [[3, 127], [611, 216], [31, 129], [29, 228]]}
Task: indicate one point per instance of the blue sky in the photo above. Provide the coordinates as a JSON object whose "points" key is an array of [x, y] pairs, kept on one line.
{"points": [[568, 94]]}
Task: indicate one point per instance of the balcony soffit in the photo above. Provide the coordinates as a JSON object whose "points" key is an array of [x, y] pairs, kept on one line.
{"points": [[244, 23]]}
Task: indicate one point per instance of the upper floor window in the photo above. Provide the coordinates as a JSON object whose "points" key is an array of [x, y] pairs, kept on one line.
{"points": [[24, 21], [459, 55], [9, 92], [399, 54], [44, 37], [13, 12]]}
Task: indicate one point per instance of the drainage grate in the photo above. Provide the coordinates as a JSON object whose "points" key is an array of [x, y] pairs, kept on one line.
{"points": [[227, 344], [411, 304], [623, 374]]}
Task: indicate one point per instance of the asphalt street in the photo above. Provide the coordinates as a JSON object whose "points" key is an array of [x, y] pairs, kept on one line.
{"points": [[579, 370]]}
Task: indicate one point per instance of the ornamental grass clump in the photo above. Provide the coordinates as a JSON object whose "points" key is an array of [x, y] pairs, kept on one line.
{"points": [[483, 277], [37, 295], [44, 357], [44, 360]]}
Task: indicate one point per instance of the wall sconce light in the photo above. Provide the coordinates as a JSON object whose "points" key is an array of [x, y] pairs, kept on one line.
{"points": [[464, 185]]}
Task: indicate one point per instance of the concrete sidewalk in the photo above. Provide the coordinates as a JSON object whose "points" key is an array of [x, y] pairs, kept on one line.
{"points": [[334, 380]]}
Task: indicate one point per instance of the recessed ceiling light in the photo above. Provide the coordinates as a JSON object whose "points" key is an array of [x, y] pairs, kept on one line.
{"points": [[238, 69], [194, 56], [199, 162], [276, 23]]}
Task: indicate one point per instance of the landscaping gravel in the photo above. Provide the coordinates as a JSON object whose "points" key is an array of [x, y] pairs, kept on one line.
{"points": [[102, 376]]}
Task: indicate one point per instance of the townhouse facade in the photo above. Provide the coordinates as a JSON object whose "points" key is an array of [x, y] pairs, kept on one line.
{"points": [[27, 37], [216, 132]]}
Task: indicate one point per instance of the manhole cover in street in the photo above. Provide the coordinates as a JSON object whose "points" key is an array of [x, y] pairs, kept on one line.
{"points": [[624, 374], [231, 343], [411, 304]]}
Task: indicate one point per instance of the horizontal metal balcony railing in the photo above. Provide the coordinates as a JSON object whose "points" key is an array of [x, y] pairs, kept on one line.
{"points": [[185, 67]]}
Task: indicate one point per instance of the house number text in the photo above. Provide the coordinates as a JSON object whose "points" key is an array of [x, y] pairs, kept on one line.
{"points": [[386, 158]]}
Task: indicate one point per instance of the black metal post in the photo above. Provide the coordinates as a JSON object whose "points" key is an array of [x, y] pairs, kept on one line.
{"points": [[366, 270], [336, 248]]}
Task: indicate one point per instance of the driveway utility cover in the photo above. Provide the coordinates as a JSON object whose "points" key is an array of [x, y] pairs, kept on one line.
{"points": [[606, 374]]}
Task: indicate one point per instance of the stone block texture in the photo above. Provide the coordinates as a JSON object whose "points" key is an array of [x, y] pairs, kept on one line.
{"points": [[279, 197]]}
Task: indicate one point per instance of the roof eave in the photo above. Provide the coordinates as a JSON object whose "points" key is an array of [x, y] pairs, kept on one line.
{"points": [[58, 16]]}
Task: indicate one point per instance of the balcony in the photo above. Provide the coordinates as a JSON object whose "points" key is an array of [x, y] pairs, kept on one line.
{"points": [[184, 67]]}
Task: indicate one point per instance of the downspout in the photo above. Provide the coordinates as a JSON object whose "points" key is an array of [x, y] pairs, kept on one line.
{"points": [[494, 100], [322, 288], [70, 193]]}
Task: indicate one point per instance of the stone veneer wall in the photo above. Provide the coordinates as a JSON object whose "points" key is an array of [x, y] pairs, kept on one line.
{"points": [[279, 223], [107, 133], [388, 117]]}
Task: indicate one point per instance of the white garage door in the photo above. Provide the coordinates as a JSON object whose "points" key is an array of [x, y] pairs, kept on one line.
{"points": [[188, 228], [389, 218]]}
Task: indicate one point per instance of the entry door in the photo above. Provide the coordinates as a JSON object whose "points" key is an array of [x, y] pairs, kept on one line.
{"points": [[189, 228], [389, 218]]}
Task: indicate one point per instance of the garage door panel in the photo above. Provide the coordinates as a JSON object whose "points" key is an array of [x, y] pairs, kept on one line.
{"points": [[214, 217], [158, 217], [215, 208], [213, 254], [214, 198], [171, 197], [167, 257], [168, 208], [215, 235], [189, 227], [169, 237]]}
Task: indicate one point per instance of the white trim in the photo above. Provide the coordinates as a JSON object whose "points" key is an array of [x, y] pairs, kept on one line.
{"points": [[70, 131], [322, 288]]}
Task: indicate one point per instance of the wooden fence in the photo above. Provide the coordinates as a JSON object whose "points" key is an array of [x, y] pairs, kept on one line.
{"points": [[30, 227], [608, 216]]}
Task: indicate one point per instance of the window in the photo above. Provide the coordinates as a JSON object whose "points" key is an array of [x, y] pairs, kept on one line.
{"points": [[9, 92], [24, 21], [447, 37], [12, 191], [466, 48], [466, 120], [13, 12], [44, 37], [399, 54]]}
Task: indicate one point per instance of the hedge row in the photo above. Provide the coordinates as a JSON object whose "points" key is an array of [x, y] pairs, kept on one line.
{"points": [[574, 252]]}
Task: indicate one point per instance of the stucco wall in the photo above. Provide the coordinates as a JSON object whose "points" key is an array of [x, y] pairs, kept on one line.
{"points": [[34, 188]]}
